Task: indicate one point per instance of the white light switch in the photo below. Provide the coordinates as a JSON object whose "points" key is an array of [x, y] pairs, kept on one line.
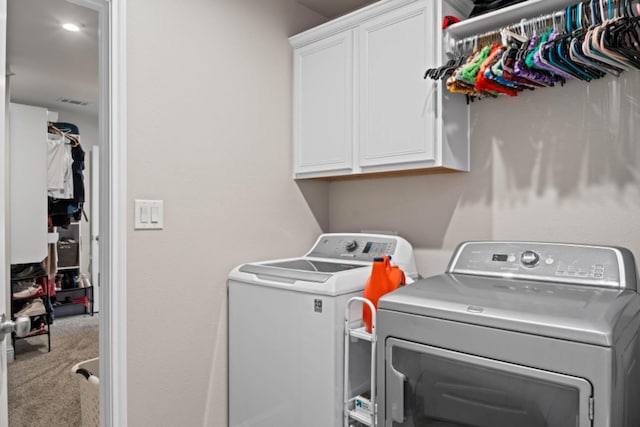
{"points": [[148, 214], [155, 214], [144, 214]]}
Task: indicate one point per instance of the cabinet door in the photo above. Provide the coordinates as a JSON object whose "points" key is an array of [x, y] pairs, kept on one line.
{"points": [[323, 106], [397, 121]]}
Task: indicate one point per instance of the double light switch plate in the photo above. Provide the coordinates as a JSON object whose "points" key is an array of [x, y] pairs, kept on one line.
{"points": [[148, 215]]}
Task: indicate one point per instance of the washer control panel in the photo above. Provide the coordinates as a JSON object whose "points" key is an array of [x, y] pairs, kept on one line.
{"points": [[353, 246], [553, 262]]}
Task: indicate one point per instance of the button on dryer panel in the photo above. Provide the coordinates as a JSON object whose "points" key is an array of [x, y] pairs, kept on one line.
{"points": [[529, 258]]}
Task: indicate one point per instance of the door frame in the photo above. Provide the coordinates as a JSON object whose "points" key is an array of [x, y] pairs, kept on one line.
{"points": [[94, 232], [4, 207], [113, 209]]}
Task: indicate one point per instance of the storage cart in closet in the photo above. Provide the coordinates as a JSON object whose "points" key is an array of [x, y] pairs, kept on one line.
{"points": [[73, 295], [35, 306], [359, 409]]}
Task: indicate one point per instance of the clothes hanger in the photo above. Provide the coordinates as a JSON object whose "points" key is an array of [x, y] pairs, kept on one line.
{"points": [[577, 55], [592, 45], [557, 53], [623, 38], [539, 58], [614, 37], [574, 51], [598, 43], [513, 42], [487, 81], [544, 72], [564, 55], [469, 72], [587, 41], [74, 139], [509, 37], [509, 73]]}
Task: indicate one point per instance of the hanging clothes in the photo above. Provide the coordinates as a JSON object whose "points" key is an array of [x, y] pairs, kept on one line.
{"points": [[587, 41], [77, 167], [78, 155], [60, 163], [66, 164]]}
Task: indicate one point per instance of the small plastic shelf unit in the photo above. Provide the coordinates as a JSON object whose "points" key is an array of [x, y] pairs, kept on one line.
{"points": [[45, 328], [72, 301], [360, 408]]}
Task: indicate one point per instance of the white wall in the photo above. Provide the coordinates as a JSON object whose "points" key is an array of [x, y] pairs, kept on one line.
{"points": [[209, 132], [209, 117], [560, 164], [88, 126]]}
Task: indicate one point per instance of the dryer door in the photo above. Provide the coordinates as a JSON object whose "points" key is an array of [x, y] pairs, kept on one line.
{"points": [[431, 387]]}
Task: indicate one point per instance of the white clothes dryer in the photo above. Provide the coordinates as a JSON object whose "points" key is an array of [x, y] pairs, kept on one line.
{"points": [[524, 334]]}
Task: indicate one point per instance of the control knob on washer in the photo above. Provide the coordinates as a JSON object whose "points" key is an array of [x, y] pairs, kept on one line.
{"points": [[529, 258], [351, 246]]}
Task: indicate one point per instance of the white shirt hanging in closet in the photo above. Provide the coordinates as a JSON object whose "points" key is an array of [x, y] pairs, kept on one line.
{"points": [[59, 172]]}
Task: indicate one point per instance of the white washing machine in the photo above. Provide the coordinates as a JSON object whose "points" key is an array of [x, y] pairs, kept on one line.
{"points": [[286, 331]]}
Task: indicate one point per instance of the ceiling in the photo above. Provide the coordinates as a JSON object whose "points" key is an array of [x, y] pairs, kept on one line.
{"points": [[49, 62], [333, 8]]}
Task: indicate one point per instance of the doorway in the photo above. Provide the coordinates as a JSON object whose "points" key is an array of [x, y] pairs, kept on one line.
{"points": [[111, 135], [52, 58]]}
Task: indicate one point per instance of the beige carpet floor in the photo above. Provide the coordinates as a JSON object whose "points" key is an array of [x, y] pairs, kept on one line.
{"points": [[42, 389]]}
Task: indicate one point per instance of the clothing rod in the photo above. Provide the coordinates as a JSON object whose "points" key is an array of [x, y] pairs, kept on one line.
{"points": [[522, 24]]}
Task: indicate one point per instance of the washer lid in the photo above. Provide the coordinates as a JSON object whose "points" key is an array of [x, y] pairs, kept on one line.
{"points": [[309, 275], [306, 264], [299, 269], [569, 312]]}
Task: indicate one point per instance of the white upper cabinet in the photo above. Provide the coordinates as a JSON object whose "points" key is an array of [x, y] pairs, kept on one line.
{"points": [[361, 103], [323, 105], [395, 50]]}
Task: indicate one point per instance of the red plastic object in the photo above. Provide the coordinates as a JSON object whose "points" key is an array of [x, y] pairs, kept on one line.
{"points": [[384, 279], [449, 20]]}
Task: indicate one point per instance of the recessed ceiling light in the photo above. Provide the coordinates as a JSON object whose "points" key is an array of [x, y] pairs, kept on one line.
{"points": [[71, 27]]}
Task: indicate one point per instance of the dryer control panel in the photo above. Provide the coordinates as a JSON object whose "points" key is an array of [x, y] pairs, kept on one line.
{"points": [[601, 266]]}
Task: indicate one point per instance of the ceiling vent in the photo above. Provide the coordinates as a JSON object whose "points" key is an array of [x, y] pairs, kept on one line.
{"points": [[73, 102]]}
